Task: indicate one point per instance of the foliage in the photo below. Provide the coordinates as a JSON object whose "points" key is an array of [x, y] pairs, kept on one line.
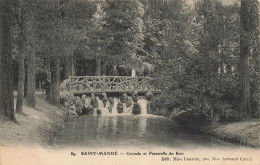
{"points": [[229, 115], [124, 27], [198, 72]]}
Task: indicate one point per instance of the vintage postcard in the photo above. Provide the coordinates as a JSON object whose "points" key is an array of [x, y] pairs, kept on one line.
{"points": [[129, 82]]}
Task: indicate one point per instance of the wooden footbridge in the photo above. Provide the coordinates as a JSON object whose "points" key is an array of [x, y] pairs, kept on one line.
{"points": [[108, 84]]}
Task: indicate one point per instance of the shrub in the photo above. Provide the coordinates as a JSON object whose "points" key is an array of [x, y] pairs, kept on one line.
{"points": [[229, 115]]}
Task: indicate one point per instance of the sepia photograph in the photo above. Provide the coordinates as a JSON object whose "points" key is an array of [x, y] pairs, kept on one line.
{"points": [[129, 82]]}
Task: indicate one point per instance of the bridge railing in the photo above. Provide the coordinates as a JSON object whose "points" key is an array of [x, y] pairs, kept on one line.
{"points": [[98, 84]]}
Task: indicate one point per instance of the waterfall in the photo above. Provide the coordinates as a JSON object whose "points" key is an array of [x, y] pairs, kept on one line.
{"points": [[101, 107], [124, 107], [107, 104], [114, 108], [143, 105], [129, 110], [100, 103], [104, 107], [95, 111], [87, 101]]}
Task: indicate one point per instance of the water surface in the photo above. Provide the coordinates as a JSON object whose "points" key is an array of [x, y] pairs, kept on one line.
{"points": [[139, 131]]}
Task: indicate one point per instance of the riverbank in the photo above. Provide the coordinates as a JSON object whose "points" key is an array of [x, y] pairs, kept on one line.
{"points": [[245, 132], [36, 127]]}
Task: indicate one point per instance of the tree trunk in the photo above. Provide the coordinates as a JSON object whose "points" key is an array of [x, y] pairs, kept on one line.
{"points": [[245, 103], [73, 67], [258, 56], [55, 82], [98, 65], [30, 50], [21, 79], [68, 66], [30, 97], [6, 84], [26, 76], [21, 74], [48, 63]]}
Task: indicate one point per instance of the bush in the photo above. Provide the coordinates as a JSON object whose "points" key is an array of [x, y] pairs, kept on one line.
{"points": [[229, 115], [193, 118]]}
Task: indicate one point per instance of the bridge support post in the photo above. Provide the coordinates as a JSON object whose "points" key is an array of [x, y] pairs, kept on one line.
{"points": [[104, 83]]}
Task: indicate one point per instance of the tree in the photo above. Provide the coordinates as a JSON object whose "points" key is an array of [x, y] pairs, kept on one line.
{"points": [[124, 28], [201, 39], [249, 58], [55, 82], [21, 74], [98, 22], [21, 48], [69, 67], [30, 97], [249, 25], [6, 85], [26, 22], [258, 57]]}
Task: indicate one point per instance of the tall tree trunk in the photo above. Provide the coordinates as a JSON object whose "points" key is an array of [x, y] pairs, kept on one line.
{"points": [[48, 63], [26, 76], [69, 67], [55, 82], [98, 65], [30, 98], [31, 81], [21, 74], [6, 84], [257, 30], [21, 79], [73, 67], [245, 103], [258, 54]]}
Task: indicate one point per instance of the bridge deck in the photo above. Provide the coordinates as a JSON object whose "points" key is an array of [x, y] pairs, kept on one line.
{"points": [[109, 84]]}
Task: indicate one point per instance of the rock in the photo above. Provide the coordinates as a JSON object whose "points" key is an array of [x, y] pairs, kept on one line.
{"points": [[110, 109], [94, 101], [90, 110], [120, 107], [85, 111], [99, 112], [136, 109]]}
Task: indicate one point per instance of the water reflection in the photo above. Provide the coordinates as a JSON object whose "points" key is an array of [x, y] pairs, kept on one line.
{"points": [[130, 131]]}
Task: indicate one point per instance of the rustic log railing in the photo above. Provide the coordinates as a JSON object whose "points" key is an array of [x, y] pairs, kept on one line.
{"points": [[108, 84]]}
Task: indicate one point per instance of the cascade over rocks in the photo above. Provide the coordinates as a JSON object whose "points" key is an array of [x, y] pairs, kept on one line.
{"points": [[97, 104]]}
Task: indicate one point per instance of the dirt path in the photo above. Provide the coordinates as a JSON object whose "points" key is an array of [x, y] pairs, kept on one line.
{"points": [[35, 128]]}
